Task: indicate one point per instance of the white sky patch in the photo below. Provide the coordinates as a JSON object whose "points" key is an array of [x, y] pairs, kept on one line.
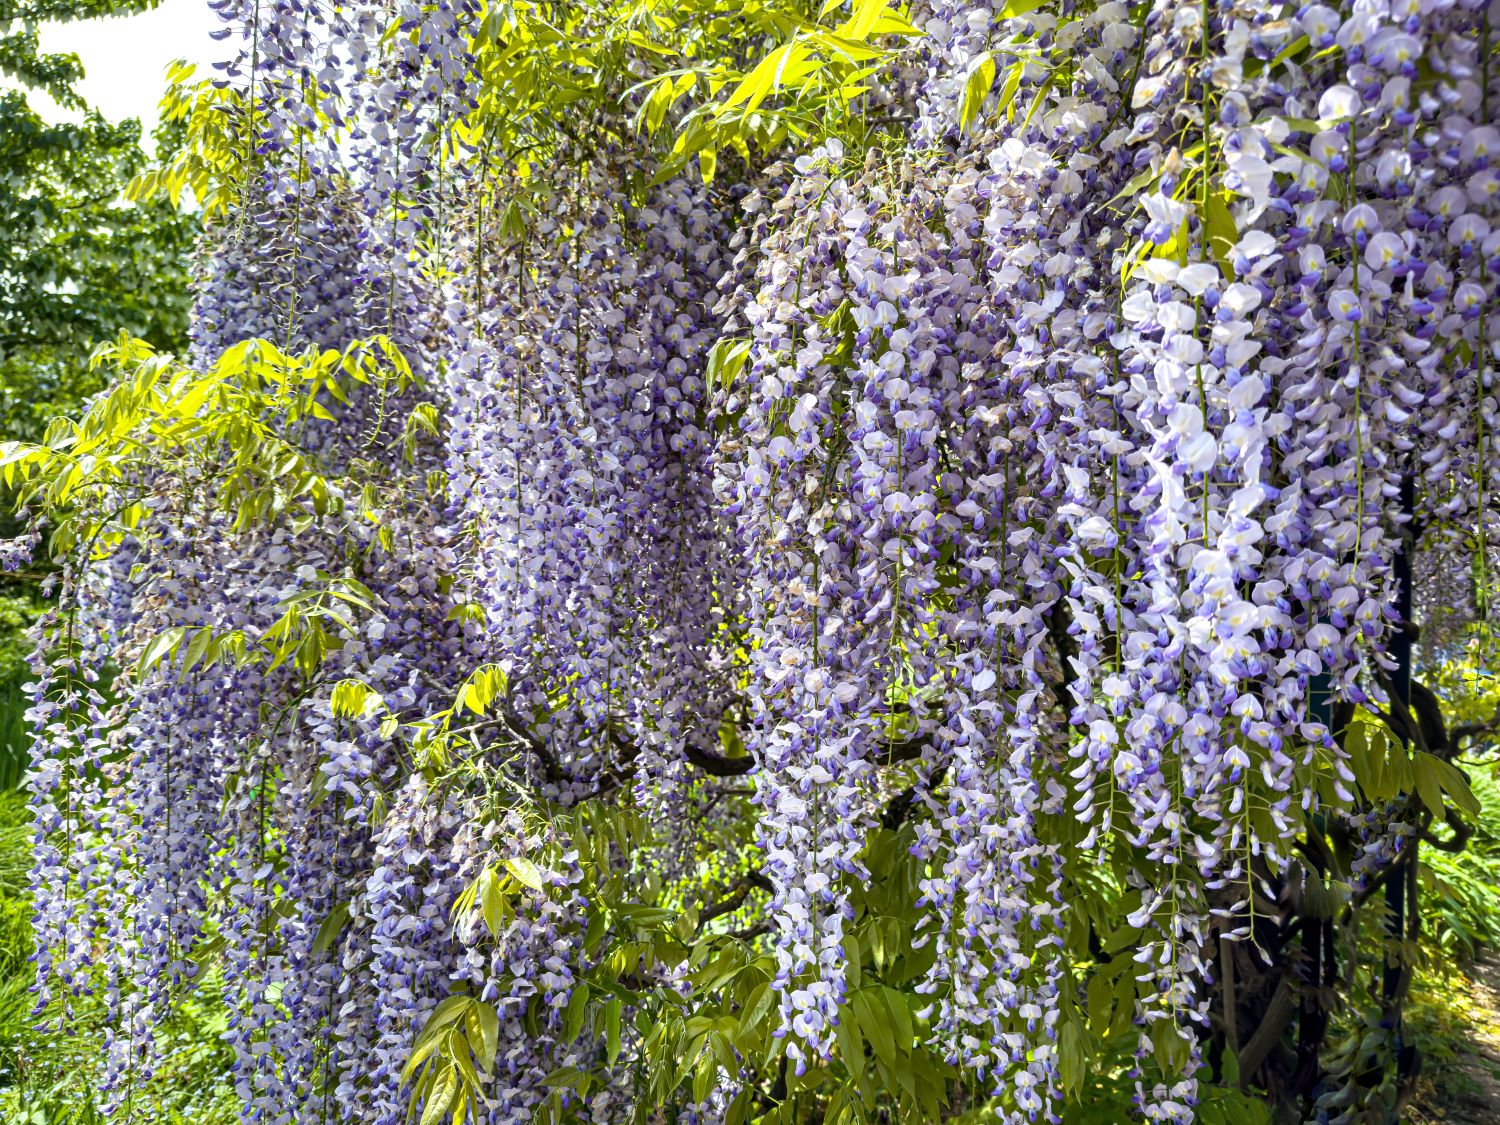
{"points": [[125, 59]]}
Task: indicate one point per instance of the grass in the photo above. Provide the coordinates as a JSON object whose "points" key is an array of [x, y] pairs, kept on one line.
{"points": [[1454, 1018], [1460, 892]]}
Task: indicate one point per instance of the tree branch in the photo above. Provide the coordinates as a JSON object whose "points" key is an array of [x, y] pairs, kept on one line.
{"points": [[717, 765], [1059, 621], [906, 750], [700, 758], [1473, 730], [1462, 831], [751, 881]]}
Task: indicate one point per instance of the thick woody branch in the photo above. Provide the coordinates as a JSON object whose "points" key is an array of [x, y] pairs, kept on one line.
{"points": [[1462, 831], [718, 765], [1465, 732], [700, 758]]}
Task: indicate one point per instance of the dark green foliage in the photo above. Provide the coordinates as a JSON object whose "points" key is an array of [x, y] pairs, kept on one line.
{"points": [[1460, 877], [78, 262], [15, 615]]}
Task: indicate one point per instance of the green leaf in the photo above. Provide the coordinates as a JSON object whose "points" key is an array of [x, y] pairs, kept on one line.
{"points": [[563, 1076], [578, 1007], [329, 931], [1008, 89], [1171, 1048], [851, 1044], [426, 1047], [350, 698], [872, 1021], [1099, 1003], [489, 1033], [853, 968], [653, 110], [1124, 1006], [440, 1094], [902, 1031], [612, 1012], [459, 1050], [756, 86], [162, 644], [1429, 787], [726, 359], [738, 1112], [1133, 186], [1296, 45], [869, 18], [197, 648], [757, 1004], [977, 86], [1219, 230], [493, 902], [1072, 1060], [706, 1077], [598, 924], [1456, 786], [527, 873], [1231, 1064], [1303, 125]]}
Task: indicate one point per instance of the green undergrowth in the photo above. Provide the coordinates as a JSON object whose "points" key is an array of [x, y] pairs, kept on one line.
{"points": [[1460, 892]]}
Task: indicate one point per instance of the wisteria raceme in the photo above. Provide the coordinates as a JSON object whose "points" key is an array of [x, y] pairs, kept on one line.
{"points": [[578, 450], [268, 773], [1039, 486], [16, 553]]}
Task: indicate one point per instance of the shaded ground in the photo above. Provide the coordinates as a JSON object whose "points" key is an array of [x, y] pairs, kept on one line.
{"points": [[1461, 1083]]}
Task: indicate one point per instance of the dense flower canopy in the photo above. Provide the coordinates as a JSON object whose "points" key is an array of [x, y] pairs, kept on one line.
{"points": [[574, 587]]}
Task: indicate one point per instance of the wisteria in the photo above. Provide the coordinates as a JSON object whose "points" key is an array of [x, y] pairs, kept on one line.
{"points": [[584, 595]]}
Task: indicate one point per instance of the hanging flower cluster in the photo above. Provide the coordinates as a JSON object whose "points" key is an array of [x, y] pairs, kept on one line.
{"points": [[578, 451], [1048, 473], [215, 798], [1147, 402]]}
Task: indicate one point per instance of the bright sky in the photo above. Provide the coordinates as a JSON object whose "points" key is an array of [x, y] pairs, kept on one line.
{"points": [[125, 59]]}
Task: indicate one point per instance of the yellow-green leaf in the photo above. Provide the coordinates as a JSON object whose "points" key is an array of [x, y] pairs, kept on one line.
{"points": [[526, 872], [977, 86], [1219, 230], [440, 1095]]}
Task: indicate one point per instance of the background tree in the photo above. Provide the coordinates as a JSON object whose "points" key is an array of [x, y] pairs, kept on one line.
{"points": [[79, 262]]}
